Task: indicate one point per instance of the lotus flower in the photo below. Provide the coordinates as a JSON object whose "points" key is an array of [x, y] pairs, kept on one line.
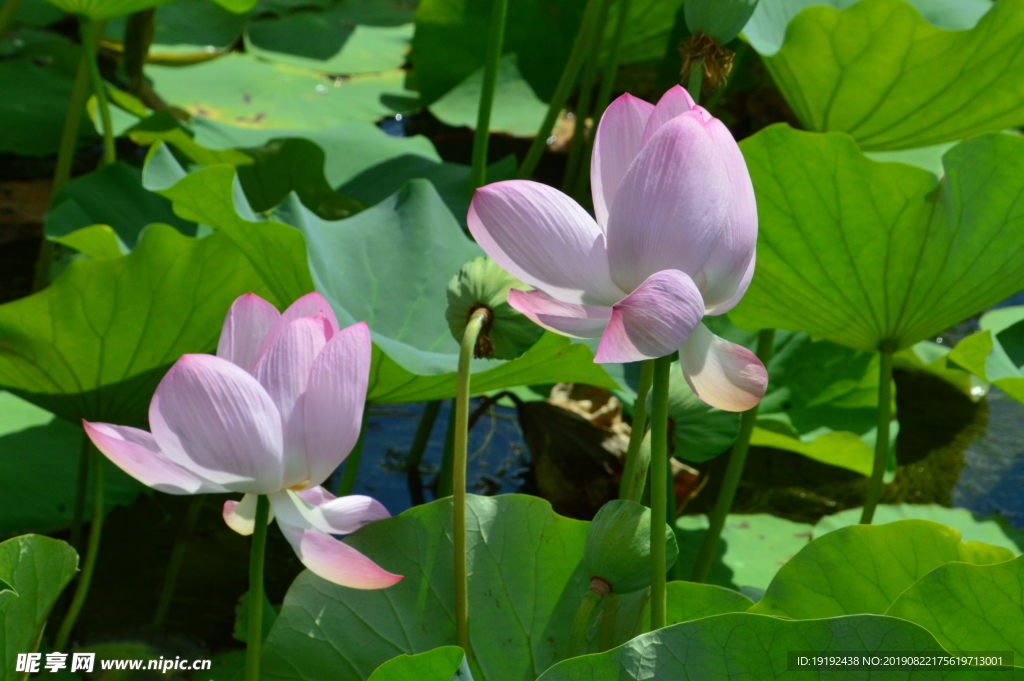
{"points": [[275, 413], [673, 241]]}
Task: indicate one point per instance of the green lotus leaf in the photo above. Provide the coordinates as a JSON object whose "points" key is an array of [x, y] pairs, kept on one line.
{"points": [[872, 255], [969, 607], [864, 568], [996, 352], [7, 594], [95, 343], [883, 73], [756, 647], [187, 29], [700, 431], [38, 568], [933, 358], [106, 9], [447, 663], [39, 456], [685, 601]]}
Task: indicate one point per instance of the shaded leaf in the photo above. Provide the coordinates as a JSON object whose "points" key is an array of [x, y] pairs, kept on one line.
{"points": [[447, 663]]}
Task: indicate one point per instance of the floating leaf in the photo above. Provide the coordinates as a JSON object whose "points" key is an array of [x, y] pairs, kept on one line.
{"points": [[864, 568], [874, 255], [969, 607], [447, 663], [882, 73], [749, 646], [38, 568], [185, 29], [39, 456], [996, 352]]}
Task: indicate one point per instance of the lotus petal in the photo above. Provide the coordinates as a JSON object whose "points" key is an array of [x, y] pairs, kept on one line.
{"points": [[723, 374]]}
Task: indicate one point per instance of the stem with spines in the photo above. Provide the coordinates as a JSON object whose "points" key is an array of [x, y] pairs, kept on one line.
{"points": [[882, 441], [659, 488], [257, 552]]}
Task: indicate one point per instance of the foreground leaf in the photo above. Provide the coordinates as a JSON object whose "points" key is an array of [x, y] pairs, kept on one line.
{"points": [[864, 568], [38, 568], [7, 594], [969, 607], [873, 255], [996, 352], [882, 73], [447, 663], [755, 647]]}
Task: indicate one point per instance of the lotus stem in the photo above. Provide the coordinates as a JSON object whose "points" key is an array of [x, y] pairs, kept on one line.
{"points": [[659, 488], [608, 621], [138, 37], [257, 552], [634, 474], [696, 81], [461, 451], [604, 96], [93, 549], [492, 60], [351, 470], [566, 83], [443, 487], [81, 490], [733, 473], [882, 443], [90, 41], [177, 557], [578, 634], [419, 446], [7, 14]]}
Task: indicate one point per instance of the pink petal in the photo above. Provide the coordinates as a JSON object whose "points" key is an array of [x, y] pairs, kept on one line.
{"points": [[310, 305], [283, 370], [653, 321], [335, 398], [616, 145], [545, 239], [241, 515], [725, 306], [136, 453], [723, 374], [336, 561], [247, 323], [674, 102], [575, 321], [320, 510], [213, 418], [673, 205]]}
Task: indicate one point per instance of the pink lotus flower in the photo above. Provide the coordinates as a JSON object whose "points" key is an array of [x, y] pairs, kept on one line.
{"points": [[673, 241], [275, 412]]}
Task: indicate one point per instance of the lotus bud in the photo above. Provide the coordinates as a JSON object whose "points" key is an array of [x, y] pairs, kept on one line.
{"points": [[618, 546], [721, 19], [482, 283]]}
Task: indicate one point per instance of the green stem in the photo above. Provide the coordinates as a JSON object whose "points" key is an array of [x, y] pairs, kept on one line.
{"points": [[608, 621], [7, 14], [419, 446], [89, 565], [255, 600], [566, 83], [139, 31], [882, 443], [634, 474], [733, 473], [177, 557], [461, 453], [578, 633], [90, 41], [351, 470], [492, 60], [81, 490], [696, 80], [604, 96], [659, 487]]}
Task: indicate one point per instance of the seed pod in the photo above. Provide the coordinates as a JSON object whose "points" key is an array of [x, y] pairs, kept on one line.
{"points": [[721, 19], [482, 283], [618, 547]]}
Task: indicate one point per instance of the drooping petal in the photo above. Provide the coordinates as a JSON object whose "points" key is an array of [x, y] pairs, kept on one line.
{"points": [[284, 370], [741, 289], [136, 453], [723, 374], [241, 515], [329, 558], [653, 321], [334, 401], [213, 418], [575, 321], [544, 238], [616, 144], [310, 305], [675, 101], [324, 512], [672, 206], [246, 325]]}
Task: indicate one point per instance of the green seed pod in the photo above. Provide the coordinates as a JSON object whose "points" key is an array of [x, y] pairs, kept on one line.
{"points": [[481, 283], [721, 19], [618, 547]]}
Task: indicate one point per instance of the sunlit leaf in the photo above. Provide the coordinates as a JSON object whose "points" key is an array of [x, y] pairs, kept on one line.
{"points": [[996, 352]]}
